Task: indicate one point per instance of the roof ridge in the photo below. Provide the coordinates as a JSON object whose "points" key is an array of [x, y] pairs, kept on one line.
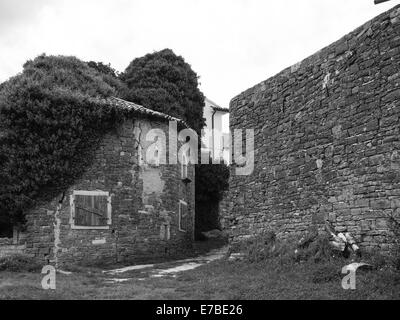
{"points": [[216, 106], [128, 105]]}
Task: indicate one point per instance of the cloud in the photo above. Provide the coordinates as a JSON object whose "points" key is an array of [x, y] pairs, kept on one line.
{"points": [[231, 44], [16, 12]]}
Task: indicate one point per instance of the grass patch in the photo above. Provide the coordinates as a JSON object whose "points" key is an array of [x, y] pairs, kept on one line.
{"points": [[19, 263], [239, 280], [266, 247], [275, 273]]}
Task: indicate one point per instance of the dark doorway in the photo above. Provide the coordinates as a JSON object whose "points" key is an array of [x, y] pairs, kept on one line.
{"points": [[6, 229], [207, 216]]}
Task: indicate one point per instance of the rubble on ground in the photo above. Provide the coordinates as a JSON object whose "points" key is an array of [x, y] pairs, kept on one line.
{"points": [[213, 234]]}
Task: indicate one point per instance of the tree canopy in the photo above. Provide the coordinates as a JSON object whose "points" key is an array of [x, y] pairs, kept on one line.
{"points": [[164, 82]]}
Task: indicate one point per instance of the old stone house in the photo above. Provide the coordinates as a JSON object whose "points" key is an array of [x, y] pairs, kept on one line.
{"points": [[326, 142], [122, 208]]}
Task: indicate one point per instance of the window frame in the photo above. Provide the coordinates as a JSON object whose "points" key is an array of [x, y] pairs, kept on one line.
{"points": [[181, 202], [184, 167], [90, 193], [156, 157]]}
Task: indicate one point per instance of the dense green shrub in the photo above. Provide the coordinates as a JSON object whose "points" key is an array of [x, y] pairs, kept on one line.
{"points": [[50, 125], [19, 263], [317, 250], [110, 76], [104, 69], [261, 249], [266, 247]]}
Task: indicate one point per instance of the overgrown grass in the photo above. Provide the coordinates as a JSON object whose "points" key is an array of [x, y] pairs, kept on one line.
{"points": [[218, 280], [318, 267], [273, 271], [266, 247], [19, 263]]}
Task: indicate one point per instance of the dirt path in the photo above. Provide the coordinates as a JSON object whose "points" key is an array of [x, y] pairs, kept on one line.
{"points": [[166, 269]]}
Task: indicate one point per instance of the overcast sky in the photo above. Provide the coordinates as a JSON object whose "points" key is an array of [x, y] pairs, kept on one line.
{"points": [[231, 44]]}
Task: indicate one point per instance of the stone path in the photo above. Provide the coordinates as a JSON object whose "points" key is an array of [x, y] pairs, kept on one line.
{"points": [[166, 269]]}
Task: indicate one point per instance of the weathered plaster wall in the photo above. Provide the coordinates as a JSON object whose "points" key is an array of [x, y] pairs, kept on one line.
{"points": [[326, 141], [142, 197]]}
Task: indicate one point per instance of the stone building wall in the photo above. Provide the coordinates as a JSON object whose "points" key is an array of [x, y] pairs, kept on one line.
{"points": [[145, 199], [16, 244], [326, 142], [8, 247]]}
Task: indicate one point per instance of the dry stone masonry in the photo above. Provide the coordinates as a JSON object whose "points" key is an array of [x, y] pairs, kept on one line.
{"points": [[145, 199], [326, 142]]}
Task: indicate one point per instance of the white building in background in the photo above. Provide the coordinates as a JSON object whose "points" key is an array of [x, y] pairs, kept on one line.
{"points": [[216, 140]]}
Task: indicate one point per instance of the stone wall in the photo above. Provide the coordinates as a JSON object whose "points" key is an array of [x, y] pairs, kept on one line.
{"points": [[11, 249], [326, 142], [14, 245], [144, 198]]}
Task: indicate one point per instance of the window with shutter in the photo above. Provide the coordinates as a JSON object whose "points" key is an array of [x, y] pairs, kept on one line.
{"points": [[90, 210]]}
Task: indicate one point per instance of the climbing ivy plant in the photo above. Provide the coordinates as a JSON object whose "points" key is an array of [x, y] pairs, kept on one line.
{"points": [[50, 124]]}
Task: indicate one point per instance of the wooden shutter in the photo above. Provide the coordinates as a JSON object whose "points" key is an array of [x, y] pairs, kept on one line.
{"points": [[91, 210]]}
